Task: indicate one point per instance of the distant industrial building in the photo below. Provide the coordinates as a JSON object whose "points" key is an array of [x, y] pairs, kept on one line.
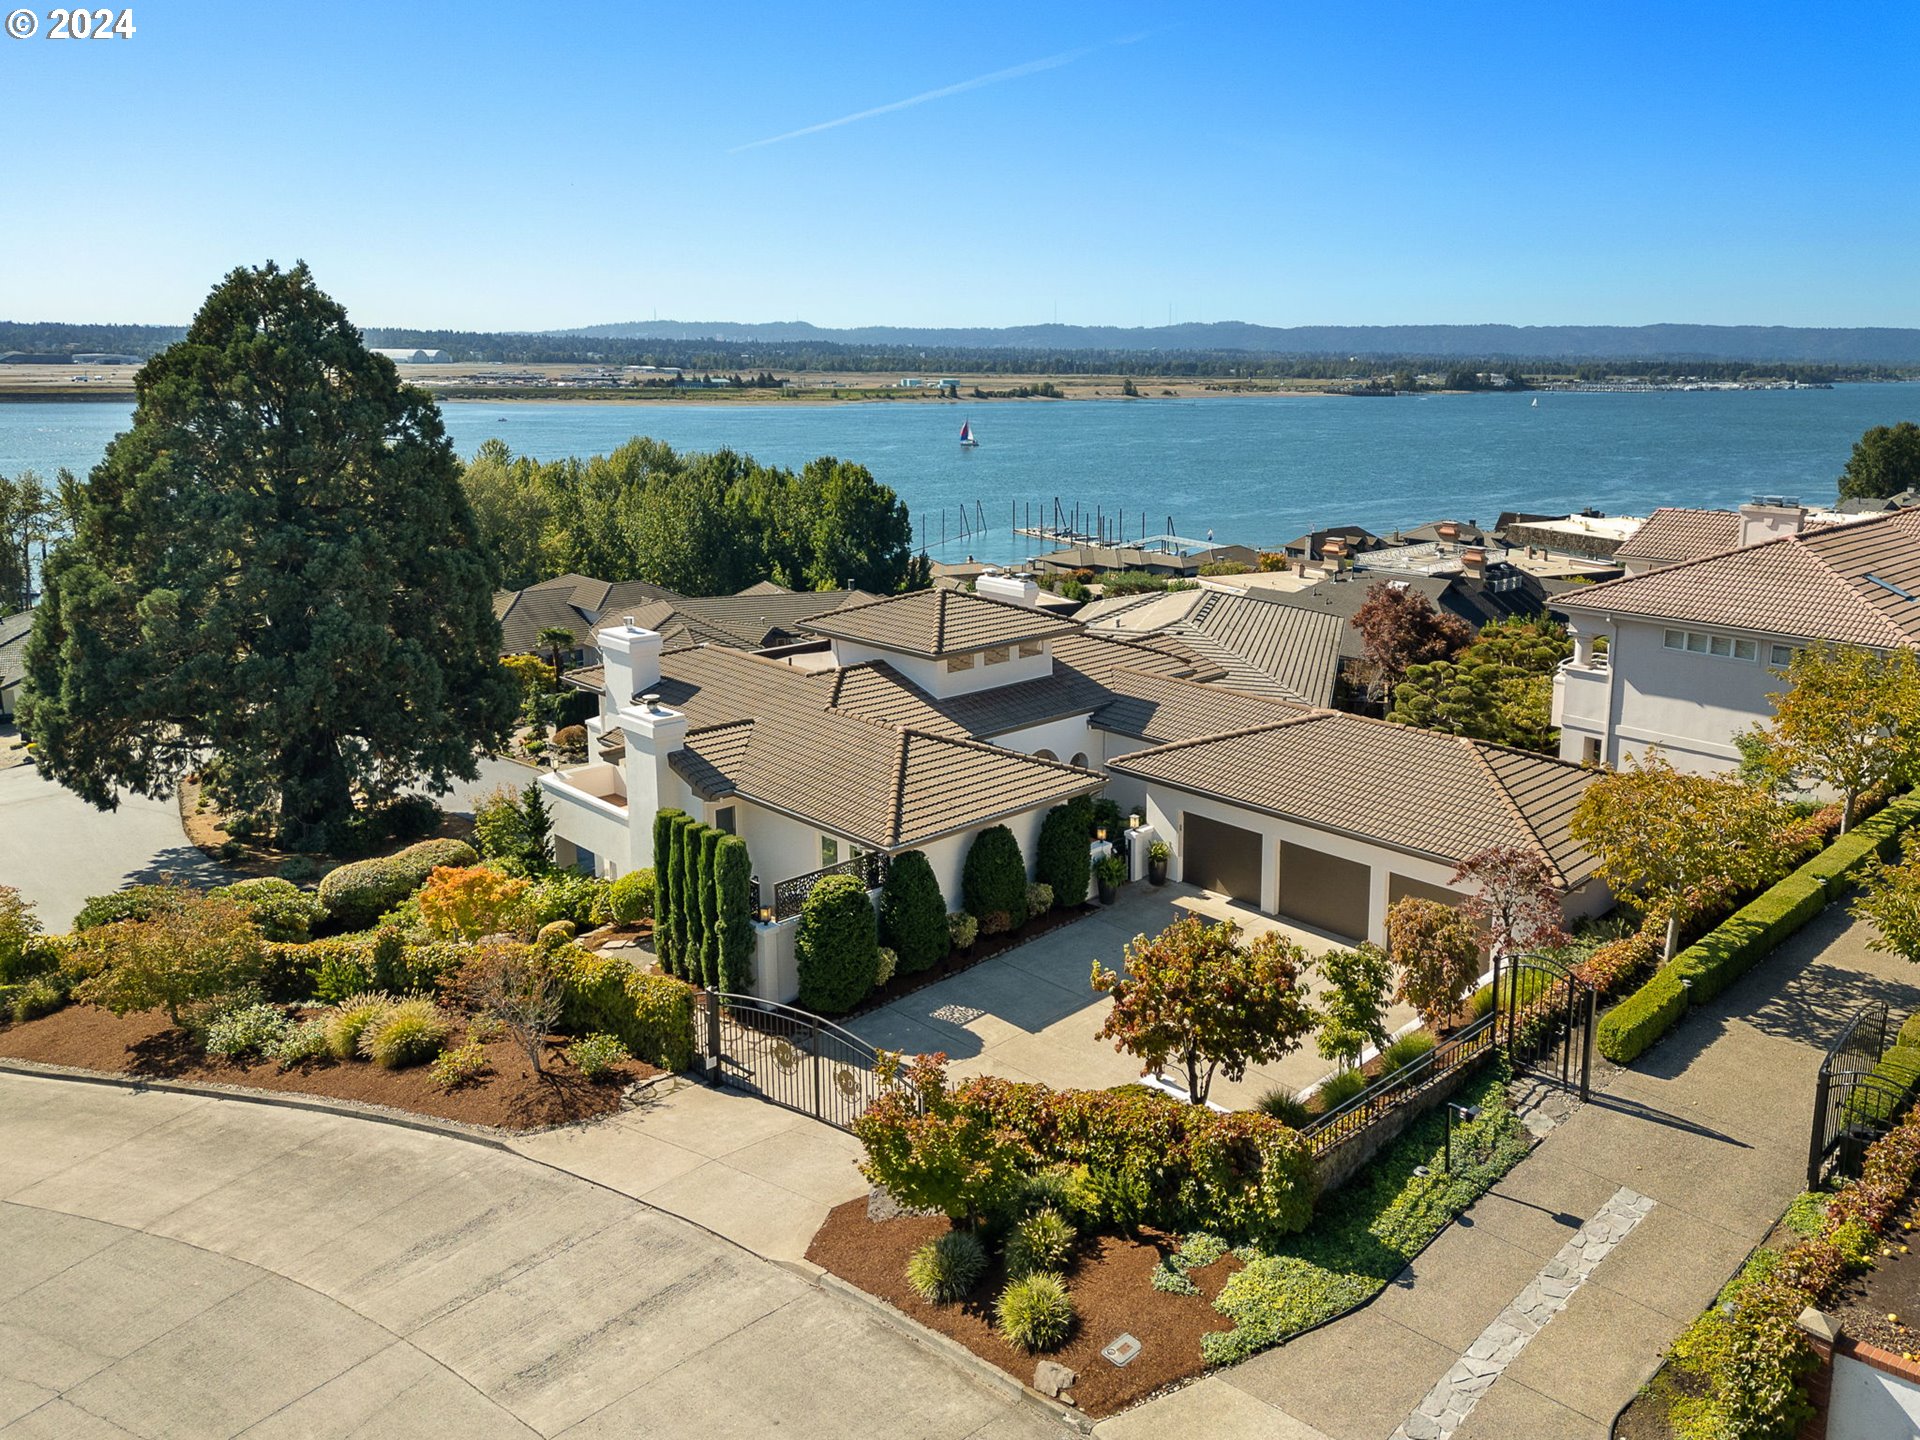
{"points": [[101, 357], [416, 357]]}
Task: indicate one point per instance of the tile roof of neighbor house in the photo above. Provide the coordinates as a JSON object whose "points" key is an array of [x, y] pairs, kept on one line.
{"points": [[1674, 533], [1434, 795], [1473, 601], [761, 615], [14, 630], [1855, 584], [938, 622], [1290, 652]]}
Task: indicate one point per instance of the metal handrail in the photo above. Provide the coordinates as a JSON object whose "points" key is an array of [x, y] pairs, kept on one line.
{"points": [[790, 895], [1353, 1116], [751, 1004]]}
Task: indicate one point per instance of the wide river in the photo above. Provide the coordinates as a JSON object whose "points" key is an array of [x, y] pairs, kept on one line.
{"points": [[1255, 470]]}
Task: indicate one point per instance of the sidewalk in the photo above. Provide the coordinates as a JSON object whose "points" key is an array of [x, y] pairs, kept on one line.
{"points": [[1711, 1126]]}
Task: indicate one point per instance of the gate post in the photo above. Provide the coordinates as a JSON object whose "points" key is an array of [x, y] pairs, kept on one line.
{"points": [[1586, 1045], [1816, 1146], [713, 1037]]}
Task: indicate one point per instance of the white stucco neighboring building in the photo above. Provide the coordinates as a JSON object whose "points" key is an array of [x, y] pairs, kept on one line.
{"points": [[1694, 649]]}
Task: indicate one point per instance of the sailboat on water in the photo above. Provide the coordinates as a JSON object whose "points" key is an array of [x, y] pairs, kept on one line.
{"points": [[967, 442]]}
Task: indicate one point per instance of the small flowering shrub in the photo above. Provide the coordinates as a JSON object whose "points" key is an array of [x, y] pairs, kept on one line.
{"points": [[246, 1031], [304, 1041]]}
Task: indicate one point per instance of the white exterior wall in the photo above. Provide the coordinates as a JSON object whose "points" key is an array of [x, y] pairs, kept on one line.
{"points": [[1063, 738], [933, 676], [948, 855], [1867, 1403], [1641, 694]]}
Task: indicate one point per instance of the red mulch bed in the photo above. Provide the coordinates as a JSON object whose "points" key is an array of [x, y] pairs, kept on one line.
{"points": [[1112, 1290], [510, 1097], [957, 961]]}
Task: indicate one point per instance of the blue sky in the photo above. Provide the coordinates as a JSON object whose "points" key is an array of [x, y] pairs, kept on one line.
{"points": [[482, 165]]}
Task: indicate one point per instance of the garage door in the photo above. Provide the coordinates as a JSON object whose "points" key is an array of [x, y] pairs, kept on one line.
{"points": [[1323, 891], [1403, 887], [1222, 858]]}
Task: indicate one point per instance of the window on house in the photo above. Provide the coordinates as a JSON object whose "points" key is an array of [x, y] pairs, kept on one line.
{"points": [[1746, 649], [829, 851], [959, 662], [999, 655], [1031, 648], [723, 820], [1780, 655], [1698, 642], [1590, 750]]}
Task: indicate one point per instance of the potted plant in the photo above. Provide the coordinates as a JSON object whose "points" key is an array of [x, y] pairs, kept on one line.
{"points": [[1111, 872], [1158, 853]]}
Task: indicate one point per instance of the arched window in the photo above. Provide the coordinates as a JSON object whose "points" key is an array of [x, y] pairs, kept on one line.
{"points": [[1045, 755], [1081, 760]]}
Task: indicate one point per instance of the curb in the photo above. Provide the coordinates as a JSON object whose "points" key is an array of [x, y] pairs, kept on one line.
{"points": [[952, 1350]]}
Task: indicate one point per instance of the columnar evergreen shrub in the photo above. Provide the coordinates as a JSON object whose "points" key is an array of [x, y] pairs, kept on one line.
{"points": [[837, 945], [994, 878], [1061, 858], [666, 941], [686, 861], [733, 902], [913, 913], [710, 839]]}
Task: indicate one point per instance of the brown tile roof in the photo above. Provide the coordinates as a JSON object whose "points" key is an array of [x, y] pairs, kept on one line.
{"points": [[1673, 533], [1160, 708], [1434, 795], [938, 622], [1285, 651], [1856, 584]]}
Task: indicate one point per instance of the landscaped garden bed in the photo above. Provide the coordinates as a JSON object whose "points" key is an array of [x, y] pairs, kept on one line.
{"points": [[505, 1094]]}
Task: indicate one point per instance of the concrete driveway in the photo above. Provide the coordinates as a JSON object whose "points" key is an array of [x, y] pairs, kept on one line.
{"points": [[1032, 1013], [185, 1266]]}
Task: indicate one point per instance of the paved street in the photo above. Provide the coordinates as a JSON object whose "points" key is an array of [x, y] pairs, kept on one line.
{"points": [[196, 1267]]}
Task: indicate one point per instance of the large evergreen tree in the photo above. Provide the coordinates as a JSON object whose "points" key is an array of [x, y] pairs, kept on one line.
{"points": [[274, 578]]}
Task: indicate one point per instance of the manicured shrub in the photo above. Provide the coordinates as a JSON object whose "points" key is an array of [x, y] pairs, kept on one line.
{"points": [[1042, 1241], [883, 969], [305, 1041], [1285, 1106], [1061, 858], [569, 895], [598, 1055], [194, 951], [1039, 900], [553, 935], [836, 946], [1341, 1087], [246, 1031], [1035, 1312], [410, 1032], [994, 877], [350, 1020], [946, 1269], [1910, 1030], [962, 930], [358, 894], [1748, 936], [280, 909], [707, 876], [1629, 1028], [686, 902], [457, 1066], [136, 902], [913, 913], [733, 913], [652, 1014], [1405, 1050], [630, 897]]}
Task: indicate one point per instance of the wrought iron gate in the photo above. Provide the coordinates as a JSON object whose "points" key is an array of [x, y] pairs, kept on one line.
{"points": [[788, 1056], [1544, 1019], [1853, 1106]]}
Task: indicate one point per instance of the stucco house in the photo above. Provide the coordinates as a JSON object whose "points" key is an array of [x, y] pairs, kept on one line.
{"points": [[916, 721], [1694, 648]]}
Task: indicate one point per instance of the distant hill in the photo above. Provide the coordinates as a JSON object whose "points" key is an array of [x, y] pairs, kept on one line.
{"points": [[1830, 346]]}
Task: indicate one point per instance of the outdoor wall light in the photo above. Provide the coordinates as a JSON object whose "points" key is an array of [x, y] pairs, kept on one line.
{"points": [[1101, 833], [1467, 1114]]}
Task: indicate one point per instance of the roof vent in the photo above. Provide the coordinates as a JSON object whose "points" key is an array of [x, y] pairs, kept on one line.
{"points": [[1892, 588], [629, 621], [652, 702]]}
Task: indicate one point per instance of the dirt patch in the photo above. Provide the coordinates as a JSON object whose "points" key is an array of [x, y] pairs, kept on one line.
{"points": [[510, 1096], [1882, 1306], [1113, 1294]]}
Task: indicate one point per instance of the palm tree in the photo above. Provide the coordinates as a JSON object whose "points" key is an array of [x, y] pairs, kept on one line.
{"points": [[556, 640]]}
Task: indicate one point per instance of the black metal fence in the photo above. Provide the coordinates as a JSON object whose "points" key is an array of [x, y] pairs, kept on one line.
{"points": [[1464, 1048], [788, 1056], [1853, 1106], [789, 895], [1547, 1020]]}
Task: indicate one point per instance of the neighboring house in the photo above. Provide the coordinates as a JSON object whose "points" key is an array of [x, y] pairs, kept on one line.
{"points": [[931, 716], [1875, 505], [1588, 535], [1336, 542], [1260, 646], [14, 630], [1694, 648], [759, 616], [1153, 559], [1673, 534]]}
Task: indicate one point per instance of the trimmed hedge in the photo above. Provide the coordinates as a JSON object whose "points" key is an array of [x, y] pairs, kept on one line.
{"points": [[280, 909], [630, 897], [1750, 934], [994, 879], [913, 913], [708, 871], [733, 909], [651, 1014], [358, 894], [1061, 857], [666, 933], [837, 946]]}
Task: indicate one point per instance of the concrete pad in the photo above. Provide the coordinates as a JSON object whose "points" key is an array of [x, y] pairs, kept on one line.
{"points": [[47, 1362], [397, 1394], [1673, 1262], [713, 1122], [815, 1160], [1539, 1204], [231, 1365], [39, 1244], [618, 1153], [62, 1420], [893, 1028], [1209, 1409], [1510, 1411], [1336, 1377], [1457, 1286], [835, 1363], [1595, 1353], [20, 1397], [43, 1133], [1015, 1002], [768, 1219]]}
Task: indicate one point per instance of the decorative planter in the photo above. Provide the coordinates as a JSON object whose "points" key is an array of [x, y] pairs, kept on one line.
{"points": [[1157, 871], [1108, 893]]}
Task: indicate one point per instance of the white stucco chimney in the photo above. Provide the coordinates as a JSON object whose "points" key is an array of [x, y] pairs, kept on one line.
{"points": [[1014, 589], [1769, 517], [653, 731], [630, 657]]}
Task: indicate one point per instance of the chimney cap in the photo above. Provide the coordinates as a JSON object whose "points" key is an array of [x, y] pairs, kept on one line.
{"points": [[651, 700]]}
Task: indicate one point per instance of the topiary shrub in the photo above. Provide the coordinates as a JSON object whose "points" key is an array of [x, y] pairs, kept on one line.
{"points": [[1042, 1241], [630, 897], [1035, 1312], [946, 1269], [1061, 858], [1629, 1028], [994, 878], [554, 934], [913, 913], [358, 894], [280, 910], [350, 1019], [962, 930], [666, 929], [410, 1032], [706, 876], [837, 945]]}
